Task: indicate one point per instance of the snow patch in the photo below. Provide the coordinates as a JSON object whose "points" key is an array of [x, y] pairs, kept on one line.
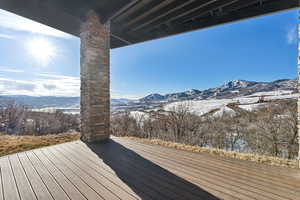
{"points": [[272, 93], [199, 107], [224, 110], [252, 107], [139, 116]]}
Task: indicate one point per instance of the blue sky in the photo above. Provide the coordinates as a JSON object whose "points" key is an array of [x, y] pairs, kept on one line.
{"points": [[38, 60]]}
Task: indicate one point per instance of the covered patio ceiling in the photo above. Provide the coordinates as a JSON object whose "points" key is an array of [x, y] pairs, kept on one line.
{"points": [[134, 21]]}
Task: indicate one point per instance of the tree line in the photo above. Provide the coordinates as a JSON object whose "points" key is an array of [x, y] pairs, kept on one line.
{"points": [[19, 120], [270, 130]]}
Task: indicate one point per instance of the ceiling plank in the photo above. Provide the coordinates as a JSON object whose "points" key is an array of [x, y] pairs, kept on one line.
{"points": [[175, 5], [190, 6], [139, 22], [203, 8], [242, 14]]}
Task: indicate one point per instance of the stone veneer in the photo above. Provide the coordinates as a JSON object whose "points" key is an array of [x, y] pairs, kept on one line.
{"points": [[95, 79]]}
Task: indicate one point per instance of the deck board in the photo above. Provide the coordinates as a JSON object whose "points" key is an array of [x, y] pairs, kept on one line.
{"points": [[238, 179], [164, 180], [128, 170], [23, 183], [10, 189], [97, 186], [84, 188], [39, 188], [72, 192], [106, 179], [54, 188]]}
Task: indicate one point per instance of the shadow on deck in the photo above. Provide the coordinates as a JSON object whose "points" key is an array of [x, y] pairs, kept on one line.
{"points": [[126, 170], [148, 180]]}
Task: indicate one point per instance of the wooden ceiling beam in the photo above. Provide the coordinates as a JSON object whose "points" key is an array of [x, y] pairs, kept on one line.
{"points": [[190, 7], [163, 19], [146, 12], [203, 9], [210, 21], [175, 5], [121, 18]]}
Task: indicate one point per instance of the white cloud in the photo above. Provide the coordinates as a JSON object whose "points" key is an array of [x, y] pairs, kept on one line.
{"points": [[6, 36], [57, 76], [49, 84], [58, 85], [12, 87], [11, 70], [18, 23], [40, 86], [292, 35]]}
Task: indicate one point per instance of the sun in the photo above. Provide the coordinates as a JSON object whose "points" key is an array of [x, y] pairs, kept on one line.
{"points": [[42, 50]]}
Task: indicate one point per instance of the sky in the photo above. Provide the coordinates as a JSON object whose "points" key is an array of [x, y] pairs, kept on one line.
{"points": [[38, 60]]}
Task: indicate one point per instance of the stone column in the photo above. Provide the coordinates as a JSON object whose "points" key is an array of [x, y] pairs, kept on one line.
{"points": [[95, 80]]}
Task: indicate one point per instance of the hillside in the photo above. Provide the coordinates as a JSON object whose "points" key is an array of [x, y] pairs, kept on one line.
{"points": [[51, 101], [229, 92], [231, 89]]}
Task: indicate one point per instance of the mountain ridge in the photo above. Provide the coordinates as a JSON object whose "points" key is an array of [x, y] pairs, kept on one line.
{"points": [[230, 89]]}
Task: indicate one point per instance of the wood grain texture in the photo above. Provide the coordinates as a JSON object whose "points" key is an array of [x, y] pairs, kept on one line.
{"points": [[10, 189], [128, 170], [23, 183]]}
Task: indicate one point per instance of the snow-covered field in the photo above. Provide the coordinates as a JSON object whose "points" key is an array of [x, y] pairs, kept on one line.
{"points": [[249, 103], [251, 107], [199, 107], [224, 110], [273, 93]]}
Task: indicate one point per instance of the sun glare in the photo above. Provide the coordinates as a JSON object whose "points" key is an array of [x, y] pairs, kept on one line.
{"points": [[42, 50]]}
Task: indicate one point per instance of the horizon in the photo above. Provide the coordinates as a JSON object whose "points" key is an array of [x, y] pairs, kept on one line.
{"points": [[47, 61], [163, 94]]}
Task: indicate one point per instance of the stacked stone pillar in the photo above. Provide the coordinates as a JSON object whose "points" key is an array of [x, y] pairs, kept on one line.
{"points": [[95, 79]]}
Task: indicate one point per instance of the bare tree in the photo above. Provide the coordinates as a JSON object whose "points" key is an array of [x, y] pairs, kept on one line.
{"points": [[270, 130]]}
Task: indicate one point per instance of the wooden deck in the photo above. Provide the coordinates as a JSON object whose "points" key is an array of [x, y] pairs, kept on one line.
{"points": [[128, 170]]}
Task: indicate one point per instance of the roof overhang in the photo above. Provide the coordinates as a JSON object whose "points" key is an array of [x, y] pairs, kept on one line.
{"points": [[134, 21]]}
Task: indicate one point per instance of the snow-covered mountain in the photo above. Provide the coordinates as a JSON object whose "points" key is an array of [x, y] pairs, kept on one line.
{"points": [[53, 101], [42, 102], [153, 97], [120, 101], [231, 89]]}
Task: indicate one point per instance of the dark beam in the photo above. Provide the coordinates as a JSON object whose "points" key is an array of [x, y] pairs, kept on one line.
{"points": [[108, 9], [175, 5], [44, 13], [136, 21], [124, 9], [190, 7], [239, 5], [77, 9], [210, 21], [130, 11], [207, 7], [239, 15], [218, 6], [147, 12]]}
